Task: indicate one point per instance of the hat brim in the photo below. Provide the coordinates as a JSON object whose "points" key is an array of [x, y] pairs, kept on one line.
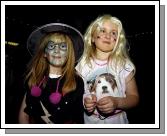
{"points": [[39, 33]]}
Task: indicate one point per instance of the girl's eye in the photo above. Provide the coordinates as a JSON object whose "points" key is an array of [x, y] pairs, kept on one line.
{"points": [[63, 46], [50, 46], [114, 33], [102, 30]]}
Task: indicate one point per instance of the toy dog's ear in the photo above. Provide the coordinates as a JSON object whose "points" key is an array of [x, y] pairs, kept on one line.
{"points": [[89, 84], [94, 88], [110, 78], [113, 83]]}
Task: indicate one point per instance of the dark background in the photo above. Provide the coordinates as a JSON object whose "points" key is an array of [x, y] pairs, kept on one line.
{"points": [[138, 22]]}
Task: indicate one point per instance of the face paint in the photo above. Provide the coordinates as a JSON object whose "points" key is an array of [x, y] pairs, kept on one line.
{"points": [[56, 53], [103, 32], [105, 36]]}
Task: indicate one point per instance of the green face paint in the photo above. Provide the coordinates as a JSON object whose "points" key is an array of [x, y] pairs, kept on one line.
{"points": [[56, 53]]}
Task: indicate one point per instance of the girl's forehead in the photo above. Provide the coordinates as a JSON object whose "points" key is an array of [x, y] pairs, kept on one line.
{"points": [[57, 38], [108, 24]]}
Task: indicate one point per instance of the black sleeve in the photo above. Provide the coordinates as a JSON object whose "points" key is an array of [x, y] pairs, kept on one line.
{"points": [[29, 105], [78, 108]]}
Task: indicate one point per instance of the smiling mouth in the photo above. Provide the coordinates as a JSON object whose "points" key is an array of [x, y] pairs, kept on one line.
{"points": [[57, 57], [107, 42]]}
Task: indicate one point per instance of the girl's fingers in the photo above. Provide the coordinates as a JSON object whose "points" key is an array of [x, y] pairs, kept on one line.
{"points": [[94, 98], [90, 109]]}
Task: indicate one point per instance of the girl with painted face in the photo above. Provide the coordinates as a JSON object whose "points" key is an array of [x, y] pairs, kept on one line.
{"points": [[54, 90], [108, 73], [56, 53]]}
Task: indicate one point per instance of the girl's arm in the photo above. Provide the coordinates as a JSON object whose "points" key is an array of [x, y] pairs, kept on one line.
{"points": [[23, 117], [132, 96]]}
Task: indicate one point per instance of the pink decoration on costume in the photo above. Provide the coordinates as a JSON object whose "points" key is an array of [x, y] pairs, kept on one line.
{"points": [[35, 91], [55, 97]]}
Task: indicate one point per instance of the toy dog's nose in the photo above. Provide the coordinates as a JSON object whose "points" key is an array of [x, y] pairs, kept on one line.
{"points": [[104, 87], [105, 90]]}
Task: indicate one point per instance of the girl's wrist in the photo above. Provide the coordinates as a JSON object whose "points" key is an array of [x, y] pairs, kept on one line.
{"points": [[116, 103]]}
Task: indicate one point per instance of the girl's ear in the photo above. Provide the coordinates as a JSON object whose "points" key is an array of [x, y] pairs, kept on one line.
{"points": [[93, 39], [45, 55]]}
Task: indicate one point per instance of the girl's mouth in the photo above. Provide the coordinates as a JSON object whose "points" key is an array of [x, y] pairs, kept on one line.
{"points": [[57, 57], [107, 42]]}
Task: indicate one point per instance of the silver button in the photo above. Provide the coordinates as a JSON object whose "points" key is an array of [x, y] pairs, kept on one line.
{"points": [[58, 108], [66, 102]]}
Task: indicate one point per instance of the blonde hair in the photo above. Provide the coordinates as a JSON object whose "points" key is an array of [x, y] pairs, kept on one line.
{"points": [[39, 67], [119, 54]]}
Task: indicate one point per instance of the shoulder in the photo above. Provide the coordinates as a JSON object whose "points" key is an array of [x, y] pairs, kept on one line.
{"points": [[129, 66], [79, 81], [83, 64], [127, 69], [78, 77], [79, 84]]}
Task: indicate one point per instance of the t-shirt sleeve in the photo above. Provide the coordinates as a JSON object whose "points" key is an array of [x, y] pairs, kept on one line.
{"points": [[129, 67]]}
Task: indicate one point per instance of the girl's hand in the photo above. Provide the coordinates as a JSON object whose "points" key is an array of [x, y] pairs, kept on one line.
{"points": [[107, 104], [90, 103]]}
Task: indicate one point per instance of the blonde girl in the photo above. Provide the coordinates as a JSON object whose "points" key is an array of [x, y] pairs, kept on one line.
{"points": [[108, 73]]}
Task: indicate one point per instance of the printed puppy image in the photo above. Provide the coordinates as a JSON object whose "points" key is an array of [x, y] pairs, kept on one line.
{"points": [[103, 85]]}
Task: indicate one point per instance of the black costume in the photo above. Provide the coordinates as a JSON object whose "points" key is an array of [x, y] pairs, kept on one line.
{"points": [[68, 110]]}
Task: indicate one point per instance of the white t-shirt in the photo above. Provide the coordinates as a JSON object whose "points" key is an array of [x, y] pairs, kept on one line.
{"points": [[102, 80]]}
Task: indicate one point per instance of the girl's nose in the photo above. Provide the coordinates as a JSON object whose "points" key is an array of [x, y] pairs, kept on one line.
{"points": [[57, 49], [108, 35]]}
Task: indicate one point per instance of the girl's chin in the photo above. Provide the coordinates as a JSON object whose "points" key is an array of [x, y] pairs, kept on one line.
{"points": [[57, 64]]}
